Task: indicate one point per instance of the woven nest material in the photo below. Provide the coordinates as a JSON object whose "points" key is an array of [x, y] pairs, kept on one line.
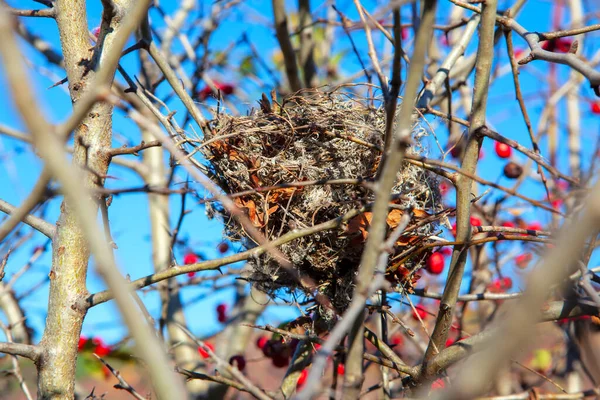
{"points": [[322, 136]]}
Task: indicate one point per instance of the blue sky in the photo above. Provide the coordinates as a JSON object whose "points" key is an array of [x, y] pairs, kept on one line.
{"points": [[19, 168]]}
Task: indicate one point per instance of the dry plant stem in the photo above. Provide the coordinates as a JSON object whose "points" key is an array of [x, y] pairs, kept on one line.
{"points": [[307, 44], [77, 222], [185, 354], [212, 378], [237, 334], [485, 55], [223, 366], [573, 103], [19, 349], [435, 84], [477, 343], [15, 362], [372, 53], [519, 95], [353, 377], [175, 83], [391, 102], [537, 53], [21, 213], [123, 384], [283, 36], [44, 227]]}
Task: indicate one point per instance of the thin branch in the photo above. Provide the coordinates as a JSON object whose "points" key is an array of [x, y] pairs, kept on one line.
{"points": [[37, 223], [485, 56], [22, 212], [283, 36], [19, 349]]}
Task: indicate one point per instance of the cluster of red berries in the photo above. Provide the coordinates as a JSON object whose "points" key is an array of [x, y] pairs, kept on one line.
{"points": [[238, 361], [224, 88], [95, 344], [500, 285], [474, 221], [277, 350]]}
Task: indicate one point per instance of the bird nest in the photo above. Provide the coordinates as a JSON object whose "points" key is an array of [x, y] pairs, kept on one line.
{"points": [[309, 160]]}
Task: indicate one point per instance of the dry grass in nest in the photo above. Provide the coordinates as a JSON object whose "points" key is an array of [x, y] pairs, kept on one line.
{"points": [[321, 137]]}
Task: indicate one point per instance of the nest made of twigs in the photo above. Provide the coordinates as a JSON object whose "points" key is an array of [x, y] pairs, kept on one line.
{"points": [[331, 143]]}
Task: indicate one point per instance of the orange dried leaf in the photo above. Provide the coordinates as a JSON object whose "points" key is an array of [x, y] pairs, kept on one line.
{"points": [[361, 224], [394, 217], [418, 213]]}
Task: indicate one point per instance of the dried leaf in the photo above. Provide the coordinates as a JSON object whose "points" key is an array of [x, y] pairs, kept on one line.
{"points": [[394, 217], [361, 224], [418, 213]]}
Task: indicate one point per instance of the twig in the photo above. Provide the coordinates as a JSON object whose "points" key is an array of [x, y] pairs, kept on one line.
{"points": [[236, 373], [44, 227], [123, 384]]}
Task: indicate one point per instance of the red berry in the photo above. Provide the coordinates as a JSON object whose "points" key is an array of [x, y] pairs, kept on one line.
{"points": [[341, 369], [397, 340], [444, 188], [449, 342], [97, 341], [518, 53], [596, 108], [419, 313], [317, 347], [508, 224], [190, 258], [506, 282], [438, 384], [495, 287], [446, 251], [82, 342], [475, 221], [222, 317], [222, 308], [102, 350], [302, 378], [435, 263], [203, 352], [404, 33], [238, 361], [564, 185], [454, 229], [223, 247], [261, 342], [534, 226], [522, 260], [191, 274], [557, 204], [225, 88], [560, 45], [204, 93], [502, 150], [96, 31]]}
